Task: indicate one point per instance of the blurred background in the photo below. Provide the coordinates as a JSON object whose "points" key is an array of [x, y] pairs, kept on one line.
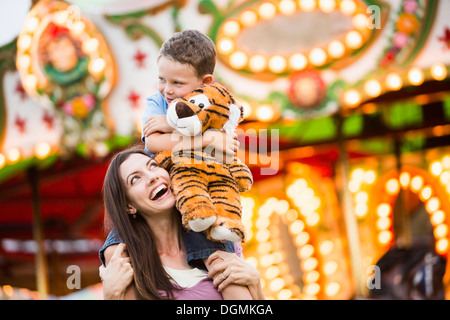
{"points": [[346, 131]]}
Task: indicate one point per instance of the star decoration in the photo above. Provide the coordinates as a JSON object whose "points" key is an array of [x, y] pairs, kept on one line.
{"points": [[20, 90], [20, 124], [134, 98], [48, 119], [446, 38], [140, 57]]}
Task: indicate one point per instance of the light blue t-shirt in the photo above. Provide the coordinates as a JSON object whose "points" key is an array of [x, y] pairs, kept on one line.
{"points": [[154, 105]]}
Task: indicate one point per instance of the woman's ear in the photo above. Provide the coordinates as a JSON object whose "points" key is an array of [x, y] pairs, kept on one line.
{"points": [[131, 209]]}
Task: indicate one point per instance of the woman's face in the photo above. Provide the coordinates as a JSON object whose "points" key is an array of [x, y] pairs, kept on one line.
{"points": [[146, 185]]}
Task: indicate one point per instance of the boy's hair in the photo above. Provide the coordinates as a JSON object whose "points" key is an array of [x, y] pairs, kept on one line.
{"points": [[191, 47]]}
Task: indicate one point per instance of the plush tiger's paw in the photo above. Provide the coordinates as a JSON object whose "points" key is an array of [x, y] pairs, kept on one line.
{"points": [[222, 233], [201, 224]]}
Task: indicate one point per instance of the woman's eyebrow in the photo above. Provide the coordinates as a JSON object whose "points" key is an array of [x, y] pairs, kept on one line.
{"points": [[137, 171]]}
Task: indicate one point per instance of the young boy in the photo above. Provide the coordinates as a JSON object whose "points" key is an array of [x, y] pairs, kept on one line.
{"points": [[186, 62]]}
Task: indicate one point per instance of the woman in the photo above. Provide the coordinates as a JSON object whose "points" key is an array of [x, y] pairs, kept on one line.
{"points": [[141, 207]]}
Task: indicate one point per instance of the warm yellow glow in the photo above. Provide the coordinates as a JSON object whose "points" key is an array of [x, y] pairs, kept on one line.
{"points": [[302, 238], [306, 251], [361, 210], [416, 76], [446, 162], [265, 113], [2, 160], [416, 183], [353, 39], [272, 272], [307, 5], [384, 210], [432, 205], [332, 289], [442, 246], [348, 7], [77, 28], [392, 186], [336, 49], [225, 45], [284, 294], [352, 97], [291, 215], [30, 82], [436, 168], [231, 28], [276, 284], [359, 21], [326, 247], [330, 267], [327, 5], [441, 231], [238, 60], [394, 81], [97, 66], [405, 177], [298, 61], [361, 197], [287, 7], [262, 235], [296, 227], [13, 155], [438, 71], [277, 64], [370, 176], [437, 217], [267, 10], [31, 24], [42, 150], [257, 63], [372, 88], [385, 237], [318, 56], [312, 289], [444, 177], [23, 61], [383, 223], [248, 18], [90, 45], [312, 219], [309, 264], [311, 276], [425, 193]]}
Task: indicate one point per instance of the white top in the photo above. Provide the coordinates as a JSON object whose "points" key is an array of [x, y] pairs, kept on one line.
{"points": [[186, 278]]}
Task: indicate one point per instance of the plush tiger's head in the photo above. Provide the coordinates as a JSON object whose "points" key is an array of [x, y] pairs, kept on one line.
{"points": [[208, 107]]}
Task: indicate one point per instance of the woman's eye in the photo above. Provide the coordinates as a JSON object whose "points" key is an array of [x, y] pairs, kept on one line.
{"points": [[153, 165], [133, 180]]}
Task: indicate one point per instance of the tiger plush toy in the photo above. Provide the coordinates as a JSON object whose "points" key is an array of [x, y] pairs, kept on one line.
{"points": [[207, 192]]}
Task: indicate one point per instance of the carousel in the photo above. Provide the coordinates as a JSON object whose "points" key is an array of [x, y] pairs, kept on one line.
{"points": [[346, 131]]}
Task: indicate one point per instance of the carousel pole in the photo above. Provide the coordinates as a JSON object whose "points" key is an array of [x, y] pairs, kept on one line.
{"points": [[41, 259], [351, 224]]}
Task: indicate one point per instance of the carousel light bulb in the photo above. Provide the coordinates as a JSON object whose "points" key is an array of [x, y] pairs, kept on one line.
{"points": [[231, 28], [309, 264], [416, 183], [394, 81], [13, 155], [61, 17], [238, 60], [392, 186], [298, 61], [385, 237], [276, 284], [90, 45], [432, 205], [442, 246], [306, 251], [436, 168], [277, 64], [326, 247], [332, 289], [225, 45], [441, 231], [327, 5], [360, 21], [2, 160], [336, 49], [372, 88], [24, 42], [77, 28], [30, 82], [265, 113], [311, 276], [267, 10], [438, 71], [353, 39], [287, 7], [302, 238], [330, 267], [384, 210], [348, 7], [352, 98], [285, 294], [369, 176], [416, 76], [296, 227], [42, 150], [97, 66], [307, 5], [437, 217], [248, 18], [23, 61], [404, 179], [425, 193], [318, 57], [31, 24], [383, 223], [257, 63]]}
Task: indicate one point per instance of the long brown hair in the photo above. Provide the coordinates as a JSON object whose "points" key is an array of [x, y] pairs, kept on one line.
{"points": [[149, 275]]}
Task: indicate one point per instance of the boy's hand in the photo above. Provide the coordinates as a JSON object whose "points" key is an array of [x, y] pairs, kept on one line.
{"points": [[156, 124], [225, 145]]}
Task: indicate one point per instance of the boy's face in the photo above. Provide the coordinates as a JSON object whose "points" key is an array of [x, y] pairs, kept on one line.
{"points": [[177, 79]]}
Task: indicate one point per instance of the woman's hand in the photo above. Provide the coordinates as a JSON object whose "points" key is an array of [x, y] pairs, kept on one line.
{"points": [[232, 269], [117, 275]]}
